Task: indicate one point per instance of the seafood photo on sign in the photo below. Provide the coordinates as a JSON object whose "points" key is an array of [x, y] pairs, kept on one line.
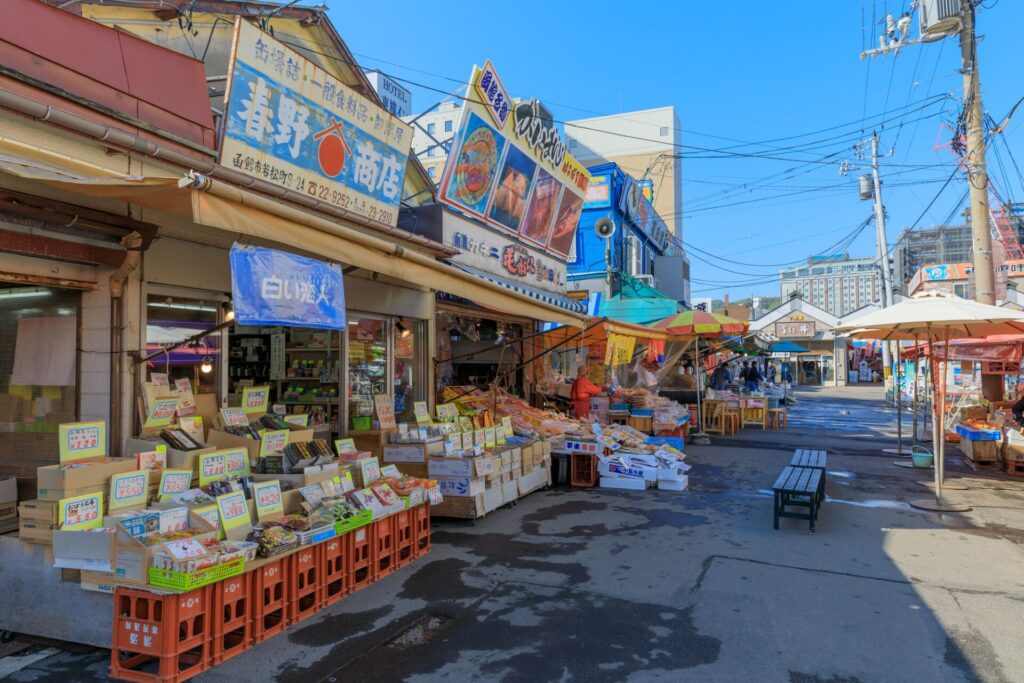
{"points": [[541, 210], [475, 165], [513, 189]]}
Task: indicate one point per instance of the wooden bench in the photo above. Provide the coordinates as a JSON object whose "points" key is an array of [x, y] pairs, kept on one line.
{"points": [[805, 457], [801, 487]]}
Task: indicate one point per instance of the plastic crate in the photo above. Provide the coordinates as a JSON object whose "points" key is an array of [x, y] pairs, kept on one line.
{"points": [[232, 618], [978, 434], [160, 637], [402, 528], [269, 590], [582, 469], [362, 519], [361, 423], [674, 442], [641, 412], [334, 572], [382, 540], [186, 581], [421, 529], [318, 535], [360, 556], [303, 584]]}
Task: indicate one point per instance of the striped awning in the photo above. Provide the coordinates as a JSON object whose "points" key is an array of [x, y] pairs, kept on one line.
{"points": [[571, 305]]}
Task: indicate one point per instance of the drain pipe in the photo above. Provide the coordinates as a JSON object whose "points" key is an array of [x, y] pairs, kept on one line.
{"points": [[132, 243], [134, 143]]}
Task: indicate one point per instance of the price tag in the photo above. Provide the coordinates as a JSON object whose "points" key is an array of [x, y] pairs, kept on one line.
{"points": [[81, 512], [346, 482], [80, 440], [456, 440], [301, 419], [234, 513], [346, 447], [185, 549], [236, 462], [255, 399], [489, 438], [273, 441], [467, 440], [161, 413], [233, 417], [212, 466], [267, 496], [370, 469], [391, 471], [385, 410], [129, 489], [478, 438], [506, 426], [434, 495], [416, 496], [419, 409], [499, 435], [173, 482], [447, 412]]}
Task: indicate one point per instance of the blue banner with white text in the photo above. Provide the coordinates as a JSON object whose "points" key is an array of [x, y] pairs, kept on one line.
{"points": [[272, 287]]}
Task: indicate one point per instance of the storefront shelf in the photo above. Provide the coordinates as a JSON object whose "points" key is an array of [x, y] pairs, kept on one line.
{"points": [[321, 402], [307, 379]]}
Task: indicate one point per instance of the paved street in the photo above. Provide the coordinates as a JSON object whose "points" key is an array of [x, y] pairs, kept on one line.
{"points": [[696, 586]]}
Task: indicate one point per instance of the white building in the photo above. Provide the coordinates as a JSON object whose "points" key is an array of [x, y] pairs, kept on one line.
{"points": [[837, 284], [432, 136], [645, 145]]}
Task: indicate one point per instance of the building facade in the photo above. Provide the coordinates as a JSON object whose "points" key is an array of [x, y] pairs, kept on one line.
{"points": [[432, 136], [644, 144], [837, 284]]}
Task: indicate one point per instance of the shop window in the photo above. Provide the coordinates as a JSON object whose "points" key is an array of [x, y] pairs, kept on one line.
{"points": [[38, 375], [448, 126], [172, 319], [367, 368], [410, 366], [431, 127], [432, 173]]}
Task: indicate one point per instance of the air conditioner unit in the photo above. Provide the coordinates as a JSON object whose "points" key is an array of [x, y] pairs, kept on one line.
{"points": [[939, 18]]}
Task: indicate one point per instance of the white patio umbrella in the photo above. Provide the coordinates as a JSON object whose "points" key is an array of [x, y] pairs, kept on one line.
{"points": [[936, 316]]}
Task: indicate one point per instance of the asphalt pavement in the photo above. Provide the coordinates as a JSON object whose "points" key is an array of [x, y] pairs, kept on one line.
{"points": [[598, 585]]}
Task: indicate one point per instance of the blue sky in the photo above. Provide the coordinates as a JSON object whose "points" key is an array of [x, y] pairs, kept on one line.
{"points": [[737, 72]]}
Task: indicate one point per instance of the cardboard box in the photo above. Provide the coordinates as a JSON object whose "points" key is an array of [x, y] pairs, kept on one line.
{"points": [[221, 440], [545, 448], [92, 549], [460, 467], [150, 520], [419, 470], [100, 582], [460, 487], [533, 481], [509, 491], [8, 490], [133, 559], [628, 484], [176, 459], [38, 511], [412, 452], [467, 507], [56, 483], [372, 440], [32, 531]]}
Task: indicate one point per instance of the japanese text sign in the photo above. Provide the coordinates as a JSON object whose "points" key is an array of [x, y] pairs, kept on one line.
{"points": [[510, 169], [267, 496], [254, 399], [81, 512], [234, 514], [301, 419], [447, 412], [385, 410], [291, 123], [233, 417], [128, 489], [422, 413], [273, 441], [272, 287], [236, 462], [161, 412], [173, 482], [80, 440], [506, 426], [345, 447], [212, 466]]}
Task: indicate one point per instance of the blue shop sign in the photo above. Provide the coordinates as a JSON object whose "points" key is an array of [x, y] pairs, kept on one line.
{"points": [[272, 287]]}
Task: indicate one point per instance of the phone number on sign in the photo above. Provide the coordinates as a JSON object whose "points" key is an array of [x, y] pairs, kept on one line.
{"points": [[325, 193]]}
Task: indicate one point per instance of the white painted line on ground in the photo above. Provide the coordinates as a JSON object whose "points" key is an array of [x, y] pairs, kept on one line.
{"points": [[13, 663]]}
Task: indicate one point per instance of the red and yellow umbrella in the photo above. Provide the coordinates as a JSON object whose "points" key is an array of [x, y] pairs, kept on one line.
{"points": [[701, 323]]}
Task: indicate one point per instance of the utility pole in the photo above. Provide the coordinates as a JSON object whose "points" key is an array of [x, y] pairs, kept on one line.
{"points": [[974, 161], [883, 245]]}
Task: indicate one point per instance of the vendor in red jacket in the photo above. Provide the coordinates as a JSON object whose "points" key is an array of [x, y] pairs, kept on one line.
{"points": [[582, 390]]}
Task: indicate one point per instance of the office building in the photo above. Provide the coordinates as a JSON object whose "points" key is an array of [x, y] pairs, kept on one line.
{"points": [[432, 136], [837, 283]]}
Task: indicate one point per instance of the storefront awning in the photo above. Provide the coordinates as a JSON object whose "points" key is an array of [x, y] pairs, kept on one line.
{"points": [[598, 330], [571, 305]]}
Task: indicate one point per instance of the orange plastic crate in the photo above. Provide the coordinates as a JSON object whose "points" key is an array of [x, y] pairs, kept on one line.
{"points": [[382, 548], [303, 583], [160, 637], [403, 530], [421, 529], [360, 565], [334, 572], [232, 617], [582, 469], [269, 590]]}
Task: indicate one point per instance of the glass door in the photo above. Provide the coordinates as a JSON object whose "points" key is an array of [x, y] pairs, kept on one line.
{"points": [[368, 367]]}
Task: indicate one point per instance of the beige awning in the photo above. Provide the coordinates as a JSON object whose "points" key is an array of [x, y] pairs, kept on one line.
{"points": [[224, 206]]}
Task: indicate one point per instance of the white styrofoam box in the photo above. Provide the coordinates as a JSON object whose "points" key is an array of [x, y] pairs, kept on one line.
{"points": [[629, 484], [674, 484], [460, 486], [613, 468]]}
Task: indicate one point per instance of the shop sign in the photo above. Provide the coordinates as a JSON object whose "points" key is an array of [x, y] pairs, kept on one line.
{"points": [[81, 512], [173, 482], [234, 513], [80, 440], [799, 330], [502, 255], [289, 122], [267, 496], [599, 192], [271, 287], [510, 169], [640, 211]]}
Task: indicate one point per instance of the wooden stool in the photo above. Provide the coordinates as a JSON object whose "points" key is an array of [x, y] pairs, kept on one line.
{"points": [[778, 418], [755, 412], [714, 419], [641, 424], [618, 417], [731, 424]]}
